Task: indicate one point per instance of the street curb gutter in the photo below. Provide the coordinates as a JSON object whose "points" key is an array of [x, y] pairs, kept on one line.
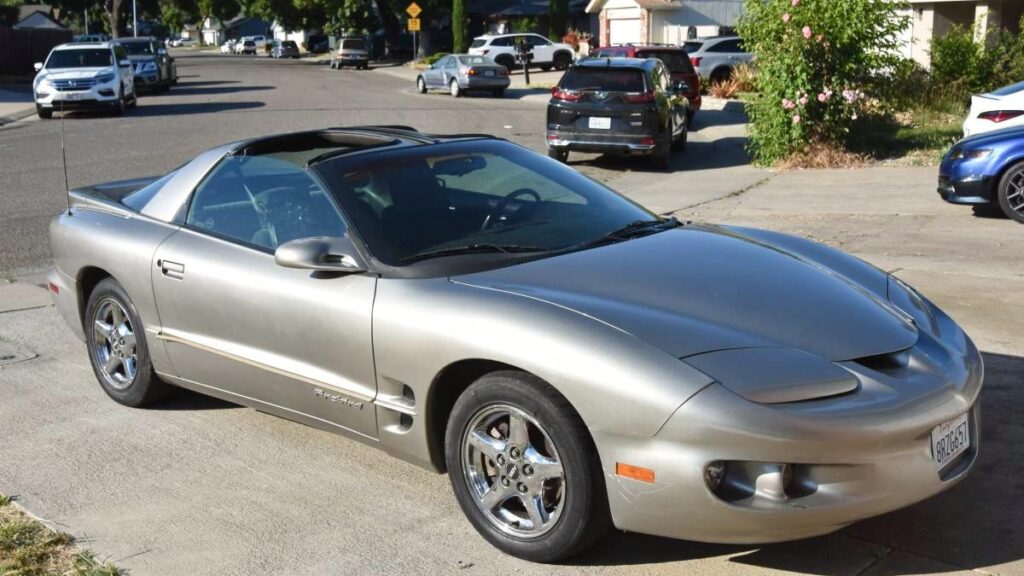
{"points": [[19, 115]]}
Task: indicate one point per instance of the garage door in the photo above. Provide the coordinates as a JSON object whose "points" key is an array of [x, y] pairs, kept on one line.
{"points": [[624, 31]]}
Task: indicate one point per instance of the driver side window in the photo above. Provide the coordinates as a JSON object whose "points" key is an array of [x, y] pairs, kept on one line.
{"points": [[262, 202]]}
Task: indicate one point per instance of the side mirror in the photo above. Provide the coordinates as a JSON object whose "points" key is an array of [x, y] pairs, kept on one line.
{"points": [[38, 66], [321, 253], [681, 86], [125, 64]]}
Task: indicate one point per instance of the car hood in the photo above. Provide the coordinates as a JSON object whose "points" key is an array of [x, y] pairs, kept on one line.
{"points": [[698, 289], [993, 137], [74, 73]]}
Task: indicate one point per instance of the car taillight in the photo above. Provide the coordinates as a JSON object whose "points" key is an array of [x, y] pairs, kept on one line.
{"points": [[695, 61], [472, 72], [503, 71], [484, 52], [565, 95], [640, 97], [998, 116]]}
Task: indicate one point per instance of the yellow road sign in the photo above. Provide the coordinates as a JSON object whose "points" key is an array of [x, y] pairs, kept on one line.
{"points": [[413, 10], [414, 24]]}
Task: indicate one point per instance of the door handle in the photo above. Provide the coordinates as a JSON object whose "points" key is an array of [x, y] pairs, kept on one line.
{"points": [[171, 269]]}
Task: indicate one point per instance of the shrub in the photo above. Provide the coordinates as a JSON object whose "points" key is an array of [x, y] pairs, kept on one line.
{"points": [[745, 78], [956, 59], [724, 88], [430, 60], [814, 60]]}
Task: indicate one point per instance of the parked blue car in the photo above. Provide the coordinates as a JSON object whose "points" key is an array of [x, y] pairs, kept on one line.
{"points": [[987, 172]]}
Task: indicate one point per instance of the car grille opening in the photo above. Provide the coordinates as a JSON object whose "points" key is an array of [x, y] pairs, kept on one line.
{"points": [[888, 363], [64, 85]]}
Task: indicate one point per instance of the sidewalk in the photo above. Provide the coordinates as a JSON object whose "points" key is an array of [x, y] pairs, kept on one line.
{"points": [[15, 105]]}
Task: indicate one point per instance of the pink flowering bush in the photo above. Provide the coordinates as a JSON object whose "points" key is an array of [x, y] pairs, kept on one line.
{"points": [[814, 60]]}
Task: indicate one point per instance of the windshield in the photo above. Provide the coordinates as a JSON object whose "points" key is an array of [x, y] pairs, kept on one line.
{"points": [[138, 48], [81, 58], [476, 61], [353, 44], [482, 196], [604, 79]]}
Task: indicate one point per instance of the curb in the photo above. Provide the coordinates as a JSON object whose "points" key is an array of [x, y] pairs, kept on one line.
{"points": [[19, 115]]}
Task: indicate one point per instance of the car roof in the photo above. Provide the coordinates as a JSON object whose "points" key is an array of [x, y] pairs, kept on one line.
{"points": [[135, 40], [80, 45], [643, 63]]}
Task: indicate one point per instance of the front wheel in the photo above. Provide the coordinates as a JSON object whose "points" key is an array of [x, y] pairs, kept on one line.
{"points": [[1011, 192], [524, 468], [43, 112], [421, 85], [454, 88], [117, 347], [562, 61]]}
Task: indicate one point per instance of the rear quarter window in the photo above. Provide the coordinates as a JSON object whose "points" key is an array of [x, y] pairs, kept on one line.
{"points": [[604, 79], [478, 43]]}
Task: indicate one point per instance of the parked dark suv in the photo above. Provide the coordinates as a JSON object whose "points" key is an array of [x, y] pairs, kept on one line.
{"points": [[677, 60], [618, 105]]}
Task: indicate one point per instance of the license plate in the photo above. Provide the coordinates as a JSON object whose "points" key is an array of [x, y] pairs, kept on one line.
{"points": [[949, 440], [600, 123], [488, 72], [73, 96]]}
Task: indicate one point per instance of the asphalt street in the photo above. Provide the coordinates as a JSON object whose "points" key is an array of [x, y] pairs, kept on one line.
{"points": [[198, 486]]}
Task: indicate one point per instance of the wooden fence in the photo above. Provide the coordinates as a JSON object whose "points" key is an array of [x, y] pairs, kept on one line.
{"points": [[21, 48]]}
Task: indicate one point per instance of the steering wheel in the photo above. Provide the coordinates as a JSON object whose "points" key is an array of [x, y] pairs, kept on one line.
{"points": [[503, 203]]}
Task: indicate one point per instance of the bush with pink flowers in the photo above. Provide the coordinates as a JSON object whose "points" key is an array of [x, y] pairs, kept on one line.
{"points": [[815, 60]]}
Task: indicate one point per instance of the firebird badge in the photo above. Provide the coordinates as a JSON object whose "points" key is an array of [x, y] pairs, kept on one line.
{"points": [[331, 397]]}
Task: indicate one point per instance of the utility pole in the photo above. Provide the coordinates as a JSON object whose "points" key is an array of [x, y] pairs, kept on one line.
{"points": [[86, 12], [135, 21]]}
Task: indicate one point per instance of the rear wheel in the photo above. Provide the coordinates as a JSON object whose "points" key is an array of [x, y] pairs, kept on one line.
{"points": [[721, 75], [117, 347], [562, 61], [454, 88], [662, 156], [679, 143], [1011, 192], [545, 67], [524, 469], [506, 61], [421, 85]]}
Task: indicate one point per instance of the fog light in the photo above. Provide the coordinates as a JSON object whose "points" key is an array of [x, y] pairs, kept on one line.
{"points": [[106, 92], [714, 473]]}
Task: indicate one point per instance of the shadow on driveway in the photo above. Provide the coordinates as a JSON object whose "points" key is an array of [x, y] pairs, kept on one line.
{"points": [[145, 109], [191, 89], [978, 524]]}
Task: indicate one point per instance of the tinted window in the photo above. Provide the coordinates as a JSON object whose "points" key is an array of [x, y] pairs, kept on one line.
{"points": [[80, 58], [406, 202], [612, 53], [138, 48], [478, 43], [451, 62], [476, 61], [726, 46], [692, 47], [264, 202], [1007, 90], [506, 41], [289, 44], [677, 61], [443, 62], [537, 41], [353, 44], [604, 79]]}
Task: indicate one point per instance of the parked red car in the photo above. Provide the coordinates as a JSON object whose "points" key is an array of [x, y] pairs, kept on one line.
{"points": [[676, 60]]}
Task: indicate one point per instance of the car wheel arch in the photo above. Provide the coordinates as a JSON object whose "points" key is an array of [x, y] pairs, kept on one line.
{"points": [[997, 179], [449, 384], [87, 279]]}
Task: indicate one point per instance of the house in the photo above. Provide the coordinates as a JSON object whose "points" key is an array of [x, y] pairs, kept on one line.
{"points": [[38, 16], [215, 33], [279, 32], [933, 18], [504, 16], [662, 21]]}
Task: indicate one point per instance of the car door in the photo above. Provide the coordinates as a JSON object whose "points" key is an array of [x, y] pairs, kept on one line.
{"points": [[543, 49], [434, 77], [451, 70], [124, 67], [235, 321]]}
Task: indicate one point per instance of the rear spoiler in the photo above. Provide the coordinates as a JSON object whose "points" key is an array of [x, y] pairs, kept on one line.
{"points": [[107, 197]]}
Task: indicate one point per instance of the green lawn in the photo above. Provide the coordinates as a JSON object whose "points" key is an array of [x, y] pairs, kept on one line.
{"points": [[28, 548], [916, 137]]}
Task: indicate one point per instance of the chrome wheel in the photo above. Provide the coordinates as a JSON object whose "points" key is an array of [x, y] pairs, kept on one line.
{"points": [[453, 87], [1014, 194], [113, 344], [513, 471]]}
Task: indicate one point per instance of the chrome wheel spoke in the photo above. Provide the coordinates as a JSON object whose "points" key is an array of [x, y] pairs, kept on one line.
{"points": [[129, 368], [534, 505], [544, 468], [517, 433], [112, 364], [117, 317], [129, 343], [494, 497], [102, 328], [486, 444]]}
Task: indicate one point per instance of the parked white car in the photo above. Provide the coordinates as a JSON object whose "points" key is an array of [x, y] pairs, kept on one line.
{"points": [[84, 75], [1003, 108], [228, 47], [715, 57], [259, 41], [503, 48]]}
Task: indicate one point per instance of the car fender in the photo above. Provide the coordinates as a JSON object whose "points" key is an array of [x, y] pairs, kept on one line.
{"points": [[617, 383]]}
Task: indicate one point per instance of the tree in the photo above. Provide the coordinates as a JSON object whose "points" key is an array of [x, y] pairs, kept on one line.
{"points": [[219, 10], [459, 43], [558, 17], [349, 17]]}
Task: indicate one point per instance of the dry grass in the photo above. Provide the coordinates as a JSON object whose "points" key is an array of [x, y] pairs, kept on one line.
{"points": [[821, 156], [28, 548], [725, 89], [745, 78]]}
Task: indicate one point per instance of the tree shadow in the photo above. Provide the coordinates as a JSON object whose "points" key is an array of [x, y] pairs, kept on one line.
{"points": [[146, 110], [977, 524], [193, 90], [194, 83], [699, 155]]}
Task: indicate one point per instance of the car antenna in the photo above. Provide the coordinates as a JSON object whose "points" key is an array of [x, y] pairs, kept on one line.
{"points": [[64, 158]]}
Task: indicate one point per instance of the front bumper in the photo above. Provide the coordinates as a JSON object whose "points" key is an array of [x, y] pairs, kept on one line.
{"points": [[147, 80], [98, 97], [853, 456], [64, 293], [970, 190], [602, 143]]}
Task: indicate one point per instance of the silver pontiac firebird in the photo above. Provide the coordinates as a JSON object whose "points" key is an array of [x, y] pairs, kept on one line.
{"points": [[573, 361]]}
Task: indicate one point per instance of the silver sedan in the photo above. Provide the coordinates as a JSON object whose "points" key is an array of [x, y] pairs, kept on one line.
{"points": [[571, 360], [458, 73]]}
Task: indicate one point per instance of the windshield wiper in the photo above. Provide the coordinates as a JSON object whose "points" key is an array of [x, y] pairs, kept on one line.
{"points": [[632, 230], [471, 249]]}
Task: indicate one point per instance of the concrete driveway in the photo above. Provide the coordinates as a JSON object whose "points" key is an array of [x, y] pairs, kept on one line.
{"points": [[198, 486]]}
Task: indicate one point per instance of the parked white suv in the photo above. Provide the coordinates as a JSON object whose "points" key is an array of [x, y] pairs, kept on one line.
{"points": [[503, 48], [715, 57], [86, 75]]}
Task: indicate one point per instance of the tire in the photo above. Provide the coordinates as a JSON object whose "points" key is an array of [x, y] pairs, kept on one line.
{"points": [[135, 100], [506, 61], [560, 155], [721, 74], [43, 112], [662, 157], [421, 85], [135, 384], [562, 61], [121, 105], [454, 88], [1011, 192], [552, 442], [680, 142]]}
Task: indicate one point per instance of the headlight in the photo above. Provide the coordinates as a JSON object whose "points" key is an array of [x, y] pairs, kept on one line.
{"points": [[43, 83], [105, 78], [962, 154]]}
